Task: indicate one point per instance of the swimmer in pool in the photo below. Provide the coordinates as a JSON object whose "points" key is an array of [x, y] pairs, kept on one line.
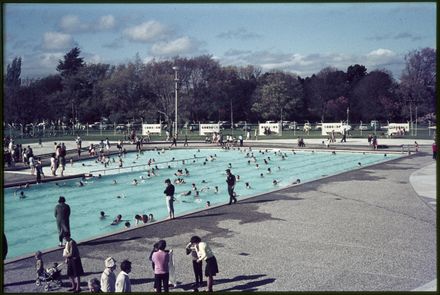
{"points": [[298, 181], [208, 204], [186, 193], [275, 182], [102, 215], [134, 182], [194, 188], [261, 175], [117, 220], [114, 181], [269, 171], [137, 219], [216, 189], [247, 185], [22, 195]]}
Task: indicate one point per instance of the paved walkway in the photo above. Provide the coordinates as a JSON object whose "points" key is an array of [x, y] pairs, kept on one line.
{"points": [[364, 230]]}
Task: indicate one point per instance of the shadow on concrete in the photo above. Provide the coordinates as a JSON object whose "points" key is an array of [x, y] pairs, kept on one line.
{"points": [[248, 286], [272, 200], [141, 281], [202, 216], [94, 243], [19, 283], [251, 285]]}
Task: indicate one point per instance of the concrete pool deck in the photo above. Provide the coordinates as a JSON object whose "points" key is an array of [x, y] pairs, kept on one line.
{"points": [[373, 229]]}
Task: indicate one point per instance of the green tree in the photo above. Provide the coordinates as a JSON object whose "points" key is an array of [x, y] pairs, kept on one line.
{"points": [[71, 63], [12, 103], [327, 85], [370, 96], [279, 96], [418, 81]]}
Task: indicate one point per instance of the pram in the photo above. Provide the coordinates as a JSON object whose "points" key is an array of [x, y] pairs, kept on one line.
{"points": [[50, 277]]}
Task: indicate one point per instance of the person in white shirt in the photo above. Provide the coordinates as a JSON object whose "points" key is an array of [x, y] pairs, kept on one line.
{"points": [[204, 253], [108, 277], [123, 281]]}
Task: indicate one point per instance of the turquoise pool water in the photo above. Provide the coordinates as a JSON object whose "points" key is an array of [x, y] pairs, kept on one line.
{"points": [[30, 224]]}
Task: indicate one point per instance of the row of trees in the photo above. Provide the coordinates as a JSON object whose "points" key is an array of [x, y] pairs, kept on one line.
{"points": [[83, 92]]}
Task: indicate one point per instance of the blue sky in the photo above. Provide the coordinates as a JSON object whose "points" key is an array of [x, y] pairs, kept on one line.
{"points": [[298, 38]]}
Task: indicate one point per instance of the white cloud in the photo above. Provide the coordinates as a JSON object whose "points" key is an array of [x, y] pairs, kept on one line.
{"points": [[106, 22], [49, 60], [92, 58], [55, 40], [146, 32], [381, 53], [73, 24], [179, 46], [240, 34], [307, 65]]}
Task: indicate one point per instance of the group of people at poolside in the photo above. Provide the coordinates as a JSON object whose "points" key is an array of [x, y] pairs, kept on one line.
{"points": [[162, 262]]}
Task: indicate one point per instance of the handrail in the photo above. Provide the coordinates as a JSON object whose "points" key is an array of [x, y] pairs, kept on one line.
{"points": [[140, 165]]}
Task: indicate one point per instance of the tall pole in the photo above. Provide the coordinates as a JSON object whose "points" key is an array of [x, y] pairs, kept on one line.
{"points": [[232, 118], [348, 111], [175, 68]]}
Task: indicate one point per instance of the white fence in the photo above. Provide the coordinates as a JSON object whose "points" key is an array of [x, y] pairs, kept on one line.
{"points": [[269, 128], [209, 128], [151, 129], [398, 128], [337, 127]]}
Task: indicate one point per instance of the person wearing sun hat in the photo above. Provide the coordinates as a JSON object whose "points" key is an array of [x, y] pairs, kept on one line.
{"points": [[108, 277]]}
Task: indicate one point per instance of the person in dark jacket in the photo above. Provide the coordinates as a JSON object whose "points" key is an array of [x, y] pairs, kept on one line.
{"points": [[5, 246], [169, 195], [62, 214], [230, 180]]}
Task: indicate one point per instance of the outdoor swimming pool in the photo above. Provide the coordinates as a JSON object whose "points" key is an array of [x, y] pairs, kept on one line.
{"points": [[30, 224]]}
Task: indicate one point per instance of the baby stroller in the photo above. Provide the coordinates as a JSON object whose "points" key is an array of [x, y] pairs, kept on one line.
{"points": [[50, 277]]}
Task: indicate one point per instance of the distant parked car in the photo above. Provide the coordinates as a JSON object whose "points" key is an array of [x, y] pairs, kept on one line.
{"points": [[121, 127], [225, 125], [193, 127]]}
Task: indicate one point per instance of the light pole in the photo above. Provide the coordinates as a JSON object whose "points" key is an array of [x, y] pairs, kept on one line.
{"points": [[175, 68], [348, 111]]}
